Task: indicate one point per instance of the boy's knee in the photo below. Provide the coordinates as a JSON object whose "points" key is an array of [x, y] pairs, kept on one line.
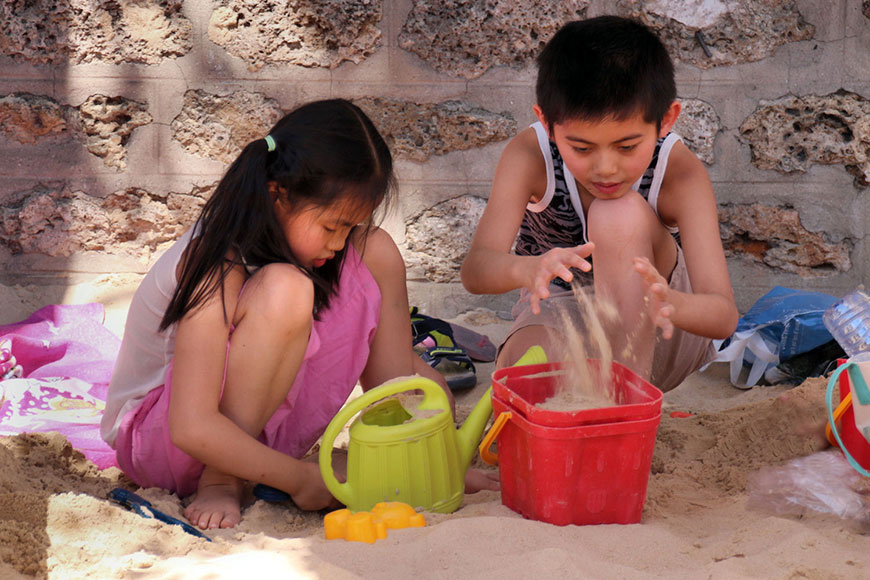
{"points": [[612, 219]]}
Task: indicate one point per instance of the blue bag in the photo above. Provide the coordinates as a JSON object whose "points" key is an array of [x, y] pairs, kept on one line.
{"points": [[782, 324]]}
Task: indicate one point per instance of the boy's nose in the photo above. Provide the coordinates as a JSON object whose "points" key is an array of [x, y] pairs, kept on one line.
{"points": [[605, 165]]}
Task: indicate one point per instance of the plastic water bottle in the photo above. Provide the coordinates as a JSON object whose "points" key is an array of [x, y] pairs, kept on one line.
{"points": [[848, 321]]}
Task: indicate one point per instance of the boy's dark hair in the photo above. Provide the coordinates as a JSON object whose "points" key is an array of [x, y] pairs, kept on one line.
{"points": [[604, 67], [325, 152]]}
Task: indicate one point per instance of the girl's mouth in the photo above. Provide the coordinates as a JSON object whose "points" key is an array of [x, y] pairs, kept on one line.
{"points": [[318, 262]]}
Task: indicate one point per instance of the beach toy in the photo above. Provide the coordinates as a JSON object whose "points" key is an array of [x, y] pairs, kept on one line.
{"points": [[848, 424], [143, 507], [581, 467], [394, 456], [848, 427], [371, 526]]}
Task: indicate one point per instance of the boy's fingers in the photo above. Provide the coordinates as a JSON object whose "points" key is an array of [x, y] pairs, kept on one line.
{"points": [[535, 304]]}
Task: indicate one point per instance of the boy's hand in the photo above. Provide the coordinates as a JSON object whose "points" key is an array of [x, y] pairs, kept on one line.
{"points": [[659, 307], [557, 263]]}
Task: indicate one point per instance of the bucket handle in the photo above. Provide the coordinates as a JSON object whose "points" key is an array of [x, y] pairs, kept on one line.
{"points": [[838, 414], [485, 453], [832, 422]]}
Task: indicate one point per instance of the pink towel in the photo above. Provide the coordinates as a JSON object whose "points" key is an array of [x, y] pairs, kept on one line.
{"points": [[66, 356]]}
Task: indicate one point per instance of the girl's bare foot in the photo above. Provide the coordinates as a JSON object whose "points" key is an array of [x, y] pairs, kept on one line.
{"points": [[218, 501]]}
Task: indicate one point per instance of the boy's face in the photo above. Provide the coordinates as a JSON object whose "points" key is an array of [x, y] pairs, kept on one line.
{"points": [[608, 156]]}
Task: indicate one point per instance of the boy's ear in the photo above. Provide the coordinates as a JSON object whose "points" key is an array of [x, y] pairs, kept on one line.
{"points": [[670, 118], [540, 115]]}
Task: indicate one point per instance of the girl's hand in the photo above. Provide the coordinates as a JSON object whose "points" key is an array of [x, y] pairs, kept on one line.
{"points": [[557, 263], [313, 494], [658, 305]]}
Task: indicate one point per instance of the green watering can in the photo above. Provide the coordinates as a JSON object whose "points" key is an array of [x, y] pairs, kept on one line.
{"points": [[394, 456]]}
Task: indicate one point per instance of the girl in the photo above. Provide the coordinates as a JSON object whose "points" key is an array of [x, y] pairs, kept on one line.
{"points": [[248, 335]]}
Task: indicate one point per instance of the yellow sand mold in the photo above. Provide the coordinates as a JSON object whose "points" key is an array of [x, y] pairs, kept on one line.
{"points": [[371, 526]]}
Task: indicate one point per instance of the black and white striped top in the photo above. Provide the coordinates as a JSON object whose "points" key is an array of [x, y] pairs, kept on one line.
{"points": [[558, 221]]}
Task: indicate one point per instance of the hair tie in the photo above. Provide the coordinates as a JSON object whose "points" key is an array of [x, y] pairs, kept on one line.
{"points": [[270, 143]]}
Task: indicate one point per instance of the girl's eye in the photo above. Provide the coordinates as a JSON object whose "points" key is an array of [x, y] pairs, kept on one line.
{"points": [[581, 149], [330, 230], [627, 147]]}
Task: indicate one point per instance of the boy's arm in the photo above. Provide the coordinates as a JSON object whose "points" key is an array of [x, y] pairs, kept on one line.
{"points": [[687, 201], [490, 267]]}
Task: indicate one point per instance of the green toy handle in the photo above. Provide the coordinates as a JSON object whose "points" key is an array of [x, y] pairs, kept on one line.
{"points": [[434, 397]]}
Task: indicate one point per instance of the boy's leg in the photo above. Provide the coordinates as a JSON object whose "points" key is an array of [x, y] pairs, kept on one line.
{"points": [[521, 340], [265, 351], [623, 229], [541, 329]]}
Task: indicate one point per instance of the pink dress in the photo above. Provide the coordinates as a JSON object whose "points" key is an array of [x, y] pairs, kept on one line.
{"points": [[337, 352]]}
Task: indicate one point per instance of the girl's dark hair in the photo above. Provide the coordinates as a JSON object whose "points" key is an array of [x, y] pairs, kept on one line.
{"points": [[325, 152], [602, 67]]}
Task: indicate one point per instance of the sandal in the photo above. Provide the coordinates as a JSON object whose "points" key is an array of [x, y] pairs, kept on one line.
{"points": [[454, 364], [433, 331]]}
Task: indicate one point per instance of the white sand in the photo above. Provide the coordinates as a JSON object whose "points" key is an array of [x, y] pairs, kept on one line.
{"points": [[55, 522]]}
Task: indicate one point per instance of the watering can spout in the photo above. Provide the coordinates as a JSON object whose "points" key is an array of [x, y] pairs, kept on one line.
{"points": [[471, 431], [468, 436]]}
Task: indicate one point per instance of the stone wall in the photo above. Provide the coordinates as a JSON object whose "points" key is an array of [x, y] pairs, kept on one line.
{"points": [[117, 118]]}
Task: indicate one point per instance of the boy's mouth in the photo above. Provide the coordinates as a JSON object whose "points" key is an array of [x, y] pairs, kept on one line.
{"points": [[607, 188]]}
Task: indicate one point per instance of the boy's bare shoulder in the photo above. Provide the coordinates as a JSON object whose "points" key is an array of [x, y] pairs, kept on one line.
{"points": [[686, 186], [522, 165]]}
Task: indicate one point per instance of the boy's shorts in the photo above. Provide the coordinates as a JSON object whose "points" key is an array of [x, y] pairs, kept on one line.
{"points": [[673, 360]]}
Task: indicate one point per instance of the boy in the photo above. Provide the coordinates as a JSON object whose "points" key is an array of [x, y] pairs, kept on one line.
{"points": [[601, 181]]}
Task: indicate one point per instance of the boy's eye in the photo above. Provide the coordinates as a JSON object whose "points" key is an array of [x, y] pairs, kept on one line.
{"points": [[330, 230], [627, 147], [581, 149]]}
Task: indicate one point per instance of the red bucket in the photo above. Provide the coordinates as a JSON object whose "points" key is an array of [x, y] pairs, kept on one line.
{"points": [[580, 467], [523, 387], [853, 440]]}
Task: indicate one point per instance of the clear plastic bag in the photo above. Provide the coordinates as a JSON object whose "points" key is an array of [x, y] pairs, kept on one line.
{"points": [[823, 482]]}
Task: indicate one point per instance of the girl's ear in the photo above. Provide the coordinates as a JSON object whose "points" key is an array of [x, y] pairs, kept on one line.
{"points": [[540, 115], [274, 189], [670, 118]]}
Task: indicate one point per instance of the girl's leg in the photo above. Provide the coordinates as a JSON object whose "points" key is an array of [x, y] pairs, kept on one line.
{"points": [[623, 229], [272, 324]]}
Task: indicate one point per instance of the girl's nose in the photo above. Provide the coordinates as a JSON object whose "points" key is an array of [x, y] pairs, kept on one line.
{"points": [[336, 243]]}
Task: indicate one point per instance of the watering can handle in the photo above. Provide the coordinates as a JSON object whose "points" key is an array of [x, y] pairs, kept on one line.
{"points": [[832, 421], [434, 397]]}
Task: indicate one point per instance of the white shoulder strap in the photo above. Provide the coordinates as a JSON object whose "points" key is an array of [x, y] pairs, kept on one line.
{"points": [[544, 144]]}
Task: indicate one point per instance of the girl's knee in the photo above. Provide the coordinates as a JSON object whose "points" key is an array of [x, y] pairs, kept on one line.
{"points": [[280, 294]]}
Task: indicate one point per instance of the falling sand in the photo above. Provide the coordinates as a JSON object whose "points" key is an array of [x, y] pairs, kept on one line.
{"points": [[587, 379]]}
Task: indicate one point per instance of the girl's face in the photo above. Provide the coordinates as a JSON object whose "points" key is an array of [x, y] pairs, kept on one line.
{"points": [[315, 234], [607, 157]]}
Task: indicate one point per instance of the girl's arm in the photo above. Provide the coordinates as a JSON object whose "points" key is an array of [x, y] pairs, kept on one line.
{"points": [[490, 267], [687, 201], [392, 354]]}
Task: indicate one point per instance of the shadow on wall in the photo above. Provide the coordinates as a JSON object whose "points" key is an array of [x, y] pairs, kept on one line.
{"points": [[73, 215]]}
